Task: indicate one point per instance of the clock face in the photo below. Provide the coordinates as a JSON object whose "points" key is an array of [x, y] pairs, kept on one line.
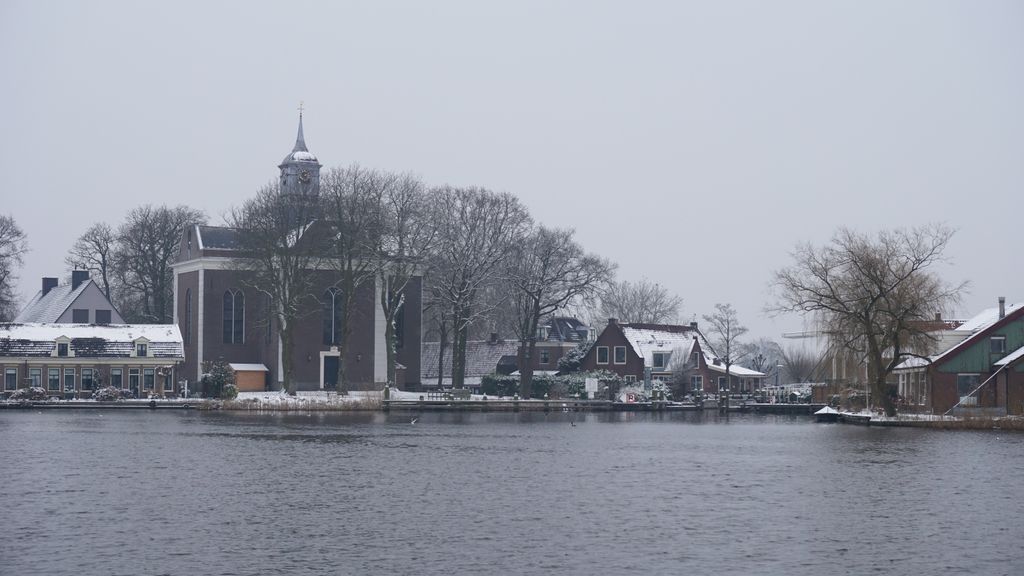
{"points": [[304, 176]]}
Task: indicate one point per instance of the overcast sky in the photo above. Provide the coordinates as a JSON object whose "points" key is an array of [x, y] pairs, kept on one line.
{"points": [[693, 143]]}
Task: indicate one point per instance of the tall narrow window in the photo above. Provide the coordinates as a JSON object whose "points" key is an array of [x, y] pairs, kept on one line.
{"points": [[133, 380], [86, 378], [117, 377], [188, 317], [11, 379], [35, 376], [148, 378], [69, 379], [53, 380], [234, 316], [332, 314]]}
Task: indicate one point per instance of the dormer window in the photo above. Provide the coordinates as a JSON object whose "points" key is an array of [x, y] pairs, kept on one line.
{"points": [[141, 349], [62, 348], [660, 359], [998, 345]]}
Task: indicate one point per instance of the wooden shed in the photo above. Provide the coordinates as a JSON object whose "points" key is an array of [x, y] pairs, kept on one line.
{"points": [[250, 377]]}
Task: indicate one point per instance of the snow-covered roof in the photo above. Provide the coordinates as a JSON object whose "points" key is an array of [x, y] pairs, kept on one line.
{"points": [[734, 370], [90, 340], [912, 363], [986, 318], [248, 367], [1011, 357], [49, 307], [979, 323], [300, 156], [647, 340]]}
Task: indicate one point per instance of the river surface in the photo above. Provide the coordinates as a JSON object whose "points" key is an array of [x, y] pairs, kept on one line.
{"points": [[168, 492]]}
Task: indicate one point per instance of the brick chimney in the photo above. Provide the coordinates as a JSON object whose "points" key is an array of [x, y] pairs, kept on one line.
{"points": [[613, 321], [1002, 306], [77, 277], [49, 284], [493, 339], [693, 325]]}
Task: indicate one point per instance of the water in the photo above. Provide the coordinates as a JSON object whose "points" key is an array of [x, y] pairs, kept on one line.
{"points": [[138, 492]]}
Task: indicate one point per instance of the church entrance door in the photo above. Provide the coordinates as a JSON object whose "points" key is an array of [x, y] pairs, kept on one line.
{"points": [[331, 371]]}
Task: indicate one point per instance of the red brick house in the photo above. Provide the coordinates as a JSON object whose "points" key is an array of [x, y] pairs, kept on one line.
{"points": [[631, 350]]}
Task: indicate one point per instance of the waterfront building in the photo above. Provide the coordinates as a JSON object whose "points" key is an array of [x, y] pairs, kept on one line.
{"points": [[638, 352], [73, 360], [223, 318], [983, 371]]}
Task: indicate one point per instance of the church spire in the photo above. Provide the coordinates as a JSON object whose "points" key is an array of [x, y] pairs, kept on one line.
{"points": [[300, 140]]}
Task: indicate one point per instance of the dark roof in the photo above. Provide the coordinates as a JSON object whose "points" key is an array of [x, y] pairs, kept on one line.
{"points": [[566, 329], [218, 238], [49, 308], [482, 357]]}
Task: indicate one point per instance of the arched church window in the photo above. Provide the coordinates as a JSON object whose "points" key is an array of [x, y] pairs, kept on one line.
{"points": [[332, 313], [234, 316], [188, 317]]}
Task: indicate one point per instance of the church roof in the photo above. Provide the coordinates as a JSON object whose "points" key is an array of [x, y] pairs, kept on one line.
{"points": [[299, 153]]}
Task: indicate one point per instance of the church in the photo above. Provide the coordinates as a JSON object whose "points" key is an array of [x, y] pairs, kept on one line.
{"points": [[223, 318]]}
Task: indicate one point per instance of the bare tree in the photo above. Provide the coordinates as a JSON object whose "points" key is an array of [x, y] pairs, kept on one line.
{"points": [[872, 296], [95, 251], [801, 365], [281, 258], [407, 240], [763, 355], [478, 230], [13, 247], [352, 199], [640, 302], [548, 271], [148, 243], [725, 332]]}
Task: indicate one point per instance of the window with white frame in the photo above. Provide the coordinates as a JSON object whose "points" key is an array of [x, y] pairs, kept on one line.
{"points": [[141, 349], [697, 382], [133, 380], [63, 348], [660, 360], [87, 379], [53, 380], [69, 379], [35, 377], [630, 379], [148, 378], [620, 354], [11, 379], [998, 345], [602, 354], [117, 377], [168, 384]]}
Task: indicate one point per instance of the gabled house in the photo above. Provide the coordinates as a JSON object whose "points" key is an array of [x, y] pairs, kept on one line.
{"points": [[73, 360], [556, 336], [81, 302], [983, 371], [661, 351], [483, 357]]}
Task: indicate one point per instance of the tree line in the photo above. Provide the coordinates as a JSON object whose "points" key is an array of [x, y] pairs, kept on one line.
{"points": [[487, 264]]}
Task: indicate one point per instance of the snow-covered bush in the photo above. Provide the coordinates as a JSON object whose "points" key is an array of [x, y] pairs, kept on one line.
{"points": [[32, 393], [110, 394], [229, 392], [217, 377]]}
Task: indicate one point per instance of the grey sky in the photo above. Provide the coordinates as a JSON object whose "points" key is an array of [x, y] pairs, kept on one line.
{"points": [[692, 143]]}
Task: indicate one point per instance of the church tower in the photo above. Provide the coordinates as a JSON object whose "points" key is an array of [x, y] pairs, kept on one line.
{"points": [[300, 171]]}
